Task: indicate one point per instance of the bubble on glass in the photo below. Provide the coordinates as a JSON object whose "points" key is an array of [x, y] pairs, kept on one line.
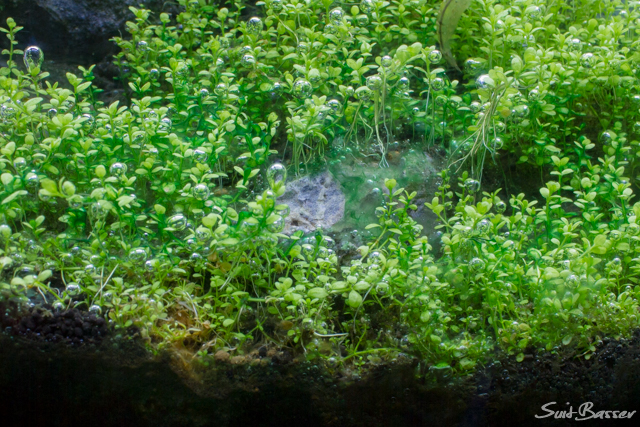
{"points": [[302, 48], [472, 185], [349, 91], [137, 255], [334, 105], [248, 60], [88, 123], [204, 93], [199, 155], [484, 82], [73, 289], [330, 29], [254, 26], [437, 83], [574, 44], [336, 15], [99, 209], [276, 5], [615, 235], [374, 82], [483, 226], [496, 143], [154, 74], [606, 138], [386, 61], [277, 226], [33, 57], [476, 265], [500, 206], [572, 280], [364, 94], [276, 173], [177, 222], [118, 169], [95, 309], [221, 89], [362, 20], [587, 60], [382, 288], [367, 6], [435, 56], [201, 191], [403, 83], [472, 66], [142, 46], [302, 88], [20, 164]]}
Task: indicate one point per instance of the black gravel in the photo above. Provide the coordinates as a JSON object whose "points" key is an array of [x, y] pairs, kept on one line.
{"points": [[44, 324]]}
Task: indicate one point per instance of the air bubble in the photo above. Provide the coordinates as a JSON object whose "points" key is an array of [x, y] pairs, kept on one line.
{"points": [[221, 90], [33, 57], [276, 6], [302, 88], [496, 143], [177, 222], [142, 46], [363, 93], [254, 26], [277, 173], [95, 309], [118, 169], [137, 255], [20, 164], [302, 48], [73, 289], [200, 156], [248, 60], [435, 56], [367, 6], [201, 192], [587, 60], [472, 185], [336, 15], [374, 82], [277, 226], [483, 226], [437, 84], [362, 20], [484, 82], [476, 264]]}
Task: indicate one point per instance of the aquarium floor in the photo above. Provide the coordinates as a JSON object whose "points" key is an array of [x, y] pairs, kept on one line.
{"points": [[118, 384]]}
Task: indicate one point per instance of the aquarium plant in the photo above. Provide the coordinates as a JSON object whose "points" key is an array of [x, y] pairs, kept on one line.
{"points": [[160, 210]]}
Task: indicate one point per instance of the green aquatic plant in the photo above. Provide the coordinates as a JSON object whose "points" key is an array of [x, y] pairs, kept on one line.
{"points": [[160, 210]]}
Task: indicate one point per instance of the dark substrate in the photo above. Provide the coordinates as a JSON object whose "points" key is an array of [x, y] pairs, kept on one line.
{"points": [[71, 369]]}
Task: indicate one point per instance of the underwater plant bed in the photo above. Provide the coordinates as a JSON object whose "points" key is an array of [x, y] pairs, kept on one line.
{"points": [[404, 212]]}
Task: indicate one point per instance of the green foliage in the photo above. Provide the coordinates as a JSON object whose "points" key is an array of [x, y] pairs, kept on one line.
{"points": [[161, 209]]}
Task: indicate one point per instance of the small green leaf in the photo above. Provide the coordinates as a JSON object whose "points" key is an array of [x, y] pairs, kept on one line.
{"points": [[14, 195], [319, 293]]}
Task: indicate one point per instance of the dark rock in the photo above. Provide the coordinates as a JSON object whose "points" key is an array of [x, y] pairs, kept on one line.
{"points": [[73, 28]]}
